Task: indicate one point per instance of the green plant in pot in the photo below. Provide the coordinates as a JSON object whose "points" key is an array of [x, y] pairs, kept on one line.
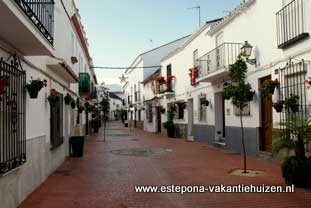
{"points": [[53, 98], [278, 106], [68, 99], [34, 86], [205, 102], [292, 103], [295, 135], [80, 109], [169, 124], [73, 104]]}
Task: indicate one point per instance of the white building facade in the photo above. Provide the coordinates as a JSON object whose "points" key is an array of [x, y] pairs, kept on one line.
{"points": [[34, 135], [141, 68], [279, 33]]}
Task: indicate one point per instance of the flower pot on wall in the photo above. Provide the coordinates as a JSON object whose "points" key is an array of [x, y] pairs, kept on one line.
{"points": [[33, 94]]}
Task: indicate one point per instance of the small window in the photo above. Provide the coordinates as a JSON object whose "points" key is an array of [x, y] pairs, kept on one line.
{"points": [[202, 108], [181, 110]]}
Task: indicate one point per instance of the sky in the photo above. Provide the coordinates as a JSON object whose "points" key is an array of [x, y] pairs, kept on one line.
{"points": [[119, 30]]}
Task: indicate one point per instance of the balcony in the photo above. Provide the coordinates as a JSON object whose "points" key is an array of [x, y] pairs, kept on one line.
{"points": [[28, 25], [84, 85], [166, 91], [290, 22], [214, 65]]}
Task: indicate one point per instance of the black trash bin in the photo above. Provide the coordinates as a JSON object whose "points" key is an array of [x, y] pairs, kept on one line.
{"points": [[76, 146]]}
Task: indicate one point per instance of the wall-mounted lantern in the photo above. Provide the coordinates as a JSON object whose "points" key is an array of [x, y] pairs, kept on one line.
{"points": [[246, 51]]}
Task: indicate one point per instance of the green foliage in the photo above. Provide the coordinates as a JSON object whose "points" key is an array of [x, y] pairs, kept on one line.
{"points": [[292, 103], [295, 128], [73, 104], [105, 107], [68, 99], [238, 90]]}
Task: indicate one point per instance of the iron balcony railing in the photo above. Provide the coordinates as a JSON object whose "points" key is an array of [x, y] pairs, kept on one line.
{"points": [[41, 13], [290, 22], [219, 58]]}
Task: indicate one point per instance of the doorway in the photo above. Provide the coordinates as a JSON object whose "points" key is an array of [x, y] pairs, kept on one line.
{"points": [[190, 118], [220, 121], [159, 122], [266, 121]]}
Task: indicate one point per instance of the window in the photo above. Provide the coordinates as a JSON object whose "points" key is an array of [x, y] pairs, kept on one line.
{"points": [[181, 110], [149, 115], [12, 117], [202, 108], [56, 123], [169, 73], [139, 115]]}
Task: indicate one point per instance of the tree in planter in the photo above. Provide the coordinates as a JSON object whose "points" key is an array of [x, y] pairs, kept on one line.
{"points": [[240, 92], [295, 135], [34, 87], [169, 124], [105, 107]]}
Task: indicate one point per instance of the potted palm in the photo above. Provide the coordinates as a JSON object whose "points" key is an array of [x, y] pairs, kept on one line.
{"points": [[34, 87], [295, 135], [53, 98]]}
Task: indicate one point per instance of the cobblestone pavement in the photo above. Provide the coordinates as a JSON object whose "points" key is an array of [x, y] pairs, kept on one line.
{"points": [[106, 175]]}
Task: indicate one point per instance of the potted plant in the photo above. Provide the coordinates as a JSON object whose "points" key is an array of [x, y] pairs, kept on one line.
{"points": [[34, 87], [295, 135], [68, 99], [172, 107], [161, 109], [80, 109], [74, 60], [278, 106], [73, 104], [53, 98], [292, 103], [161, 80], [268, 87], [205, 102], [308, 82], [169, 124]]}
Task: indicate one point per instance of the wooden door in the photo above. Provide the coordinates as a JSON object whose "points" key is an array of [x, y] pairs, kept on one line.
{"points": [[266, 122]]}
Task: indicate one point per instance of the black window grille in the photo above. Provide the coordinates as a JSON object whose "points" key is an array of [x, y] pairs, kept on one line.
{"points": [[292, 84], [41, 13], [57, 123], [290, 22], [12, 116]]}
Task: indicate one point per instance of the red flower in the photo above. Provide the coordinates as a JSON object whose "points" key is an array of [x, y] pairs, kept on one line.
{"points": [[10, 103], [170, 77], [53, 92]]}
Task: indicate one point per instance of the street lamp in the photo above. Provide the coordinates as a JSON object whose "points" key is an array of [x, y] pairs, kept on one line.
{"points": [[246, 51]]}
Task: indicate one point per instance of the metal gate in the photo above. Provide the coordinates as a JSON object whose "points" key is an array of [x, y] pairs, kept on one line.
{"points": [[12, 116]]}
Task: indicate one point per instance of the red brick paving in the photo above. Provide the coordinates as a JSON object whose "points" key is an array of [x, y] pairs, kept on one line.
{"points": [[101, 179]]}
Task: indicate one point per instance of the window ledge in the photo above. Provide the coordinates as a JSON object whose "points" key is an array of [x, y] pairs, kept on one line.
{"points": [[12, 171]]}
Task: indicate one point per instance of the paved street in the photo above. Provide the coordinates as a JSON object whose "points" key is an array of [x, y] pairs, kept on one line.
{"points": [[106, 179]]}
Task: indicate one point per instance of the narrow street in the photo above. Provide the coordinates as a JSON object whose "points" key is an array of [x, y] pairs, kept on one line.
{"points": [[106, 178]]}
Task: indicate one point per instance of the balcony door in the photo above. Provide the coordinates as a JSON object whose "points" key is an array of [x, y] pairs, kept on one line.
{"points": [[219, 42]]}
